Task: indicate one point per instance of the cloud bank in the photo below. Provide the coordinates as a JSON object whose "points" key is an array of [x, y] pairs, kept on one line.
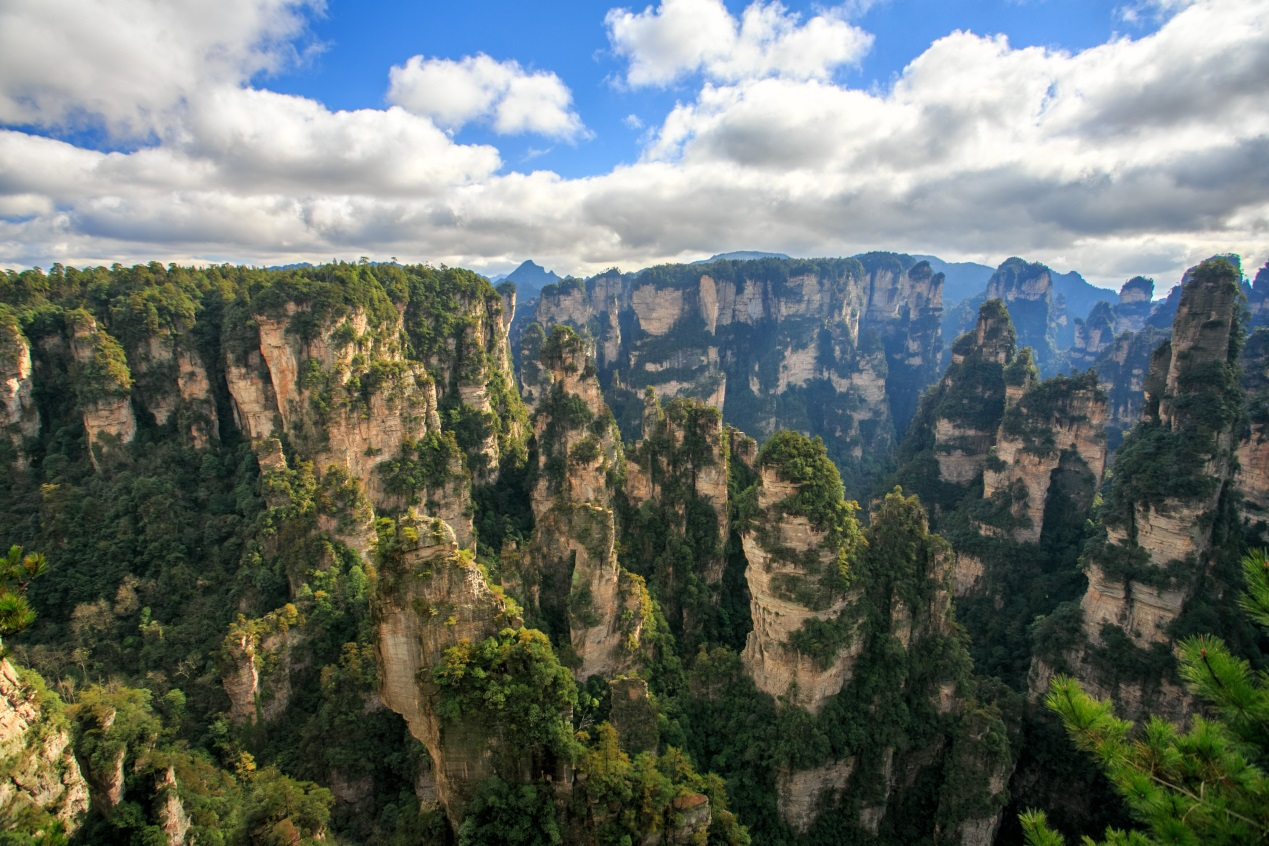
{"points": [[1137, 156]]}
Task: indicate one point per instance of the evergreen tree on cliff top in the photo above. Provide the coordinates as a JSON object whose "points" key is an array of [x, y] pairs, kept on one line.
{"points": [[1205, 785]]}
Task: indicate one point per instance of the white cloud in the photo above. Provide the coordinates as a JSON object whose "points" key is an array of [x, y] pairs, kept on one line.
{"points": [[513, 100], [1138, 156], [128, 64], [680, 37]]}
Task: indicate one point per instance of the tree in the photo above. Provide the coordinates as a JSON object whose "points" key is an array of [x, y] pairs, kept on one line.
{"points": [[1206, 784], [16, 572]]}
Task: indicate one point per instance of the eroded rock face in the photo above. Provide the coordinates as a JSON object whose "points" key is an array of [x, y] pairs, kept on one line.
{"points": [[1056, 423], [105, 388], [1158, 548], [569, 574], [800, 792], [427, 600], [764, 340], [354, 401], [19, 418], [680, 469], [779, 549], [965, 409], [40, 767], [1027, 291]]}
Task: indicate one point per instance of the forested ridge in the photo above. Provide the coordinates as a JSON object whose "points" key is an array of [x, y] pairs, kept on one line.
{"points": [[316, 554]]}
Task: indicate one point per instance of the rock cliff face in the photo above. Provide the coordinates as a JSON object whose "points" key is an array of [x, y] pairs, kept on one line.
{"points": [[41, 778], [1253, 446], [1026, 289], [956, 425], [430, 598], [569, 576], [1160, 514], [1058, 425], [676, 509], [827, 347], [792, 576], [104, 384], [19, 418], [351, 399]]}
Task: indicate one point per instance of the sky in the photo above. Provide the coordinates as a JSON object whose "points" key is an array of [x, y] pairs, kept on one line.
{"points": [[1113, 138]]}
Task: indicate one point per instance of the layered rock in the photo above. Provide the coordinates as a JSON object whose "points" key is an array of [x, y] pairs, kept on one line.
{"points": [[569, 576], [429, 598], [831, 347], [797, 579], [353, 400], [676, 490], [1253, 445], [41, 782], [1026, 289], [19, 418], [1057, 424], [104, 386], [1160, 513], [957, 422]]}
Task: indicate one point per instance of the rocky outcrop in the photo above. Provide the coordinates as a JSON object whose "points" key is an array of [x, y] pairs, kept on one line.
{"points": [[429, 598], [256, 660], [800, 793], [1253, 446], [830, 347], [351, 399], [676, 491], [19, 418], [1057, 424], [41, 781], [1026, 289], [104, 386], [797, 585], [1160, 513], [569, 576], [960, 418], [1121, 370]]}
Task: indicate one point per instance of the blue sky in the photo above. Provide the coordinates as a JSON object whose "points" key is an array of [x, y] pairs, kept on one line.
{"points": [[1114, 138], [353, 43]]}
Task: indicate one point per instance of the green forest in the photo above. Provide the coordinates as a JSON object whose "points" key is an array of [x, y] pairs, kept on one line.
{"points": [[291, 556]]}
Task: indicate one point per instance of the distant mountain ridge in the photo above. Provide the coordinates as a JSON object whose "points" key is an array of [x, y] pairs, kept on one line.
{"points": [[530, 278], [741, 255]]}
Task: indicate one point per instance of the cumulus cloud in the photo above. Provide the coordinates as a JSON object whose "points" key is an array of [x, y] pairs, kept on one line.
{"points": [[680, 37], [1142, 155], [503, 94], [127, 64]]}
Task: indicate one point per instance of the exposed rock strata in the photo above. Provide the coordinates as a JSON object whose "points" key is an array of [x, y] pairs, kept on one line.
{"points": [[19, 418], [1158, 545], [40, 771], [427, 600], [569, 576], [783, 550], [851, 345]]}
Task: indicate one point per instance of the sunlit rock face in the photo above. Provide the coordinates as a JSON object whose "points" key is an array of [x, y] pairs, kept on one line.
{"points": [[841, 348], [1159, 538]]}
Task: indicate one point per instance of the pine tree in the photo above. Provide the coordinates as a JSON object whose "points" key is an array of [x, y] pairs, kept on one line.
{"points": [[1206, 784], [16, 571]]}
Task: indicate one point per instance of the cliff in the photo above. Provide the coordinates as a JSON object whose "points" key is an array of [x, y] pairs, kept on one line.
{"points": [[1161, 512], [569, 576], [103, 386], [943, 455], [826, 346], [429, 599], [1026, 289], [41, 784], [675, 514], [19, 417], [798, 576]]}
